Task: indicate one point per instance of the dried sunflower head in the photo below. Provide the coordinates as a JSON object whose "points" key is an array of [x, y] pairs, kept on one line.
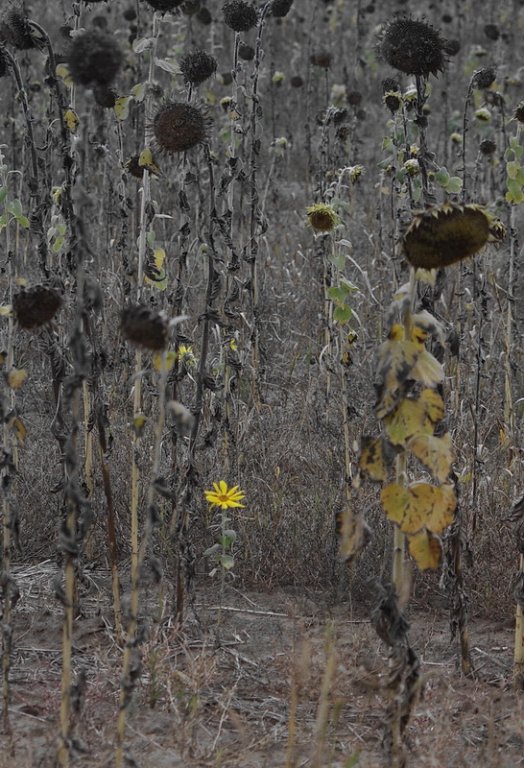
{"points": [[413, 47], [94, 57], [164, 5], [15, 28], [197, 66], [144, 327], [239, 15], [280, 8], [322, 217], [179, 126], [36, 306], [443, 235]]}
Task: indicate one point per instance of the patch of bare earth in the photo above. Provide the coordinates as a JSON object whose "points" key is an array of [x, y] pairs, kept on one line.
{"points": [[255, 680]]}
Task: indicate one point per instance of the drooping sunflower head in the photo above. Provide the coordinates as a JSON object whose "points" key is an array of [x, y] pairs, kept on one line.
{"points": [[94, 57], [144, 327], [179, 126], [413, 47], [164, 5], [280, 8], [197, 66], [322, 217], [36, 306], [239, 15], [445, 234], [15, 28]]}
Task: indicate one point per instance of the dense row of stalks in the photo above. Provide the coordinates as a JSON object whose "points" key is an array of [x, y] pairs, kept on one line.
{"points": [[210, 251]]}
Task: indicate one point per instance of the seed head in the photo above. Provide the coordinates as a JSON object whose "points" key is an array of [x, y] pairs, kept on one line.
{"points": [[204, 16], [105, 97], [164, 5], [94, 57], [492, 31], [239, 15], [36, 306], [246, 52], [15, 28], [179, 126], [413, 47], [487, 147], [280, 8], [297, 81], [483, 78], [144, 327], [445, 234], [452, 47], [321, 59], [190, 7], [519, 112], [322, 217], [197, 67]]}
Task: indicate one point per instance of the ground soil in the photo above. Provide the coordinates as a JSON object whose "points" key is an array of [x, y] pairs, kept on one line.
{"points": [[256, 680]]}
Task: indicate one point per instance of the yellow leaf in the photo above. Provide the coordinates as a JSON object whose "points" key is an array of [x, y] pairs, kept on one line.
{"points": [[21, 281], [164, 364], [72, 120], [6, 310], [121, 108], [138, 91], [434, 453], [146, 160], [419, 505], [139, 423], [375, 456], [433, 404], [16, 377], [155, 270], [427, 276], [425, 549], [427, 369], [396, 360], [353, 534], [62, 71], [407, 420], [19, 428]]}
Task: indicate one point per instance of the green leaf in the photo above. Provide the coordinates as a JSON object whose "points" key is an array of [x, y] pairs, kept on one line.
{"points": [[23, 221], [337, 294], [3, 194], [15, 208], [512, 169], [226, 561], [442, 177], [342, 315], [454, 185]]}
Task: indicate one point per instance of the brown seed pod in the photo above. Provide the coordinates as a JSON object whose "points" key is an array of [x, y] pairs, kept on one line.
{"points": [[484, 78], [36, 306], [94, 57], [197, 66], [105, 97], [204, 16], [321, 59], [239, 15], [280, 8], [144, 327], [413, 47], [15, 28], [179, 126], [164, 5], [445, 234]]}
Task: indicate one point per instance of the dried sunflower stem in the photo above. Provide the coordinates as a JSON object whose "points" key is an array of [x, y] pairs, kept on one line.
{"points": [[518, 670], [464, 137], [127, 683], [254, 208], [10, 465], [399, 539]]}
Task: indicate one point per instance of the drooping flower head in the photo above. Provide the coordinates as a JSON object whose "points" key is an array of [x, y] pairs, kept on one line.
{"points": [[413, 47], [36, 306], [322, 217], [239, 15], [94, 57], [164, 5], [15, 28], [179, 126], [445, 234], [144, 327], [197, 66]]}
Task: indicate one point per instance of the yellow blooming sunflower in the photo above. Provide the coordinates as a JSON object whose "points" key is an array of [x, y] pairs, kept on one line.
{"points": [[224, 497]]}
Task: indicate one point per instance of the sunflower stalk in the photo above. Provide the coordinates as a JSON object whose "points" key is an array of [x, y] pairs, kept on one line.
{"points": [[131, 660]]}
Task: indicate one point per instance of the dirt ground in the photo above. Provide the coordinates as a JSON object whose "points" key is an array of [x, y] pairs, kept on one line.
{"points": [[256, 680]]}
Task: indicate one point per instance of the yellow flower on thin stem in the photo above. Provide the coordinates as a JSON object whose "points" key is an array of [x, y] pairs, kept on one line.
{"points": [[224, 497]]}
